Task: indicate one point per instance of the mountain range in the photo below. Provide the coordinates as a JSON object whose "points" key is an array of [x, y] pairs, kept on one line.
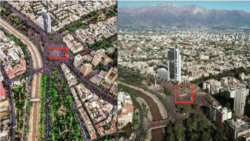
{"points": [[181, 16]]}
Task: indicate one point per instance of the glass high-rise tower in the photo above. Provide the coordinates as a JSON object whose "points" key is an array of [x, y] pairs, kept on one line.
{"points": [[46, 22], [174, 64]]}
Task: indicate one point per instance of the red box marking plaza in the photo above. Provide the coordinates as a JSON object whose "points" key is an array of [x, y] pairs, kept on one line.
{"points": [[58, 48], [192, 99]]}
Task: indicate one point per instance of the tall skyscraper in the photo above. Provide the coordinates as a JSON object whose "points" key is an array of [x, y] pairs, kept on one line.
{"points": [[45, 22], [240, 100], [174, 64]]}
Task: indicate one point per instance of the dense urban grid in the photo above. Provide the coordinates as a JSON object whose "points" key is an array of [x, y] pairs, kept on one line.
{"points": [[215, 63], [58, 70]]}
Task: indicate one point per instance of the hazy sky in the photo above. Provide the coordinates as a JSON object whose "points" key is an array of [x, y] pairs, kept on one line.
{"points": [[221, 5]]}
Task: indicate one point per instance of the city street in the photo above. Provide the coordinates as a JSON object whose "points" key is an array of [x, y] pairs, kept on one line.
{"points": [[12, 108], [35, 55]]}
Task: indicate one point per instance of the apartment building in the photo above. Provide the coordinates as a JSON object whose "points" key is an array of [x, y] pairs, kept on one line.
{"points": [[240, 100], [220, 114]]}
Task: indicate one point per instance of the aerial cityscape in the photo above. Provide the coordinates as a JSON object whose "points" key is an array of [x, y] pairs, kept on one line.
{"points": [[109, 70], [58, 70], [183, 76]]}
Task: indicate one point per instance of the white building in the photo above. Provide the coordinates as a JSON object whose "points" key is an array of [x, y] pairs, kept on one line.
{"points": [[44, 22], [240, 100], [220, 114], [1, 76], [126, 108], [204, 57], [237, 128], [174, 64], [242, 76], [13, 54], [124, 99], [2, 55], [212, 85]]}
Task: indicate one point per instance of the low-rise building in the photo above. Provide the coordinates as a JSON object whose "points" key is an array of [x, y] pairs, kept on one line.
{"points": [[212, 85], [125, 109], [2, 35], [125, 116], [2, 92], [97, 113]]}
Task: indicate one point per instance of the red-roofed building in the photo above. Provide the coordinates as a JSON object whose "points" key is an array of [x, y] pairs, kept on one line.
{"points": [[2, 93], [113, 128], [125, 116], [18, 70]]}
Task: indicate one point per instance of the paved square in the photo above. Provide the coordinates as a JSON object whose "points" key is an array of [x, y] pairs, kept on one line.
{"points": [[58, 53], [184, 94]]}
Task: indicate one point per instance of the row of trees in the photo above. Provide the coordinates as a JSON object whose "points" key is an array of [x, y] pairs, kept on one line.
{"points": [[29, 104], [112, 13], [198, 128], [174, 132], [19, 100], [61, 110], [18, 41], [235, 73], [94, 15], [145, 109], [42, 42], [42, 123], [130, 77], [166, 91], [15, 20], [107, 42]]}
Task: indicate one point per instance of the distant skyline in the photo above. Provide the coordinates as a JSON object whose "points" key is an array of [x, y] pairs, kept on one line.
{"points": [[219, 5]]}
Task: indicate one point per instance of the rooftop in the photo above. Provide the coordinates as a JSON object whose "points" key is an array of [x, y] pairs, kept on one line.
{"points": [[2, 94]]}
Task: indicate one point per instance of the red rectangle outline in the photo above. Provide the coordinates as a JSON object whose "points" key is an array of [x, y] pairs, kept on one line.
{"points": [[59, 48], [192, 100]]}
